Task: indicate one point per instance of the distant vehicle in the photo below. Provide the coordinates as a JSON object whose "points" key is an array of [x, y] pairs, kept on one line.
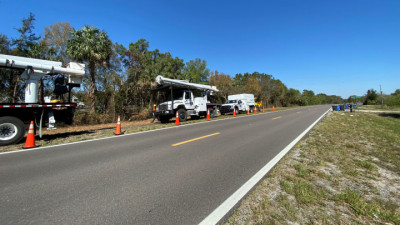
{"points": [[14, 116], [240, 102], [180, 96]]}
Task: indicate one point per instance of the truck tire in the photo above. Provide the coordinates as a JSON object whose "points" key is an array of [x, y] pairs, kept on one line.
{"points": [[12, 130], [213, 113], [251, 109], [182, 115], [164, 119]]}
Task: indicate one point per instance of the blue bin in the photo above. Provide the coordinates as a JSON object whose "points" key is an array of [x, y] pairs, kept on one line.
{"points": [[347, 106], [338, 108], [355, 106]]}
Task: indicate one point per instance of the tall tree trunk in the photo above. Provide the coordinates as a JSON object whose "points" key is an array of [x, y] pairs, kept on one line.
{"points": [[92, 86]]}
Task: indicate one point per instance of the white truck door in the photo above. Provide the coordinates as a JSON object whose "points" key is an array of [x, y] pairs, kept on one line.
{"points": [[188, 100]]}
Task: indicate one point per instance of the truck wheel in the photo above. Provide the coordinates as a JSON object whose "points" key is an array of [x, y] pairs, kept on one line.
{"points": [[182, 115], [12, 130], [164, 119], [213, 113], [251, 109]]}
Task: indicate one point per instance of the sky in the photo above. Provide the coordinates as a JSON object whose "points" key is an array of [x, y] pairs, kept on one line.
{"points": [[340, 47]]}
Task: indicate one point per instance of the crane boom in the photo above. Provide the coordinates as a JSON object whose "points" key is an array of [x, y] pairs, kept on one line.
{"points": [[184, 83], [35, 69], [46, 66]]}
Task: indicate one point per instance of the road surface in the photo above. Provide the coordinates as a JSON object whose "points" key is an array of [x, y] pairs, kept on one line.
{"points": [[170, 176]]}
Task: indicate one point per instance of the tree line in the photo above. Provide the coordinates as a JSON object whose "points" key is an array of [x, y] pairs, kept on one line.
{"points": [[372, 97], [119, 78]]}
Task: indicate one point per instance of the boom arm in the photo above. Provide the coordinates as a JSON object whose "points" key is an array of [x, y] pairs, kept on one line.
{"points": [[184, 83], [37, 68], [46, 66]]}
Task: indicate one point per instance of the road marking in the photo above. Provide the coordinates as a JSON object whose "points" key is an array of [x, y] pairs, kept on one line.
{"points": [[195, 139], [299, 112], [136, 133], [277, 117], [221, 211]]}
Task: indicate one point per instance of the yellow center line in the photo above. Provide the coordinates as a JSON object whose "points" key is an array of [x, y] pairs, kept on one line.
{"points": [[276, 117], [195, 139]]}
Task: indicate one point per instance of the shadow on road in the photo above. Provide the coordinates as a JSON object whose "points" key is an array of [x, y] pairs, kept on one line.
{"points": [[49, 137]]}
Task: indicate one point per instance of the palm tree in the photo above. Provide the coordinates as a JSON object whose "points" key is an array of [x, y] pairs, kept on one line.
{"points": [[93, 46]]}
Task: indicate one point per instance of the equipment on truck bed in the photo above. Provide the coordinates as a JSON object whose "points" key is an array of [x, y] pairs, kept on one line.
{"points": [[13, 115]]}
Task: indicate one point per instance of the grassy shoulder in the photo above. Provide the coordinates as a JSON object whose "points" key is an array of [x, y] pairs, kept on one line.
{"points": [[347, 171], [69, 134], [379, 107]]}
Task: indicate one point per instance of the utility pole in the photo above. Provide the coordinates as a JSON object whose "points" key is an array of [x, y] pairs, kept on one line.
{"points": [[380, 88]]}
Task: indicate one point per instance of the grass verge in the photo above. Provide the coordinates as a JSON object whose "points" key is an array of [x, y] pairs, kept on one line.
{"points": [[347, 171]]}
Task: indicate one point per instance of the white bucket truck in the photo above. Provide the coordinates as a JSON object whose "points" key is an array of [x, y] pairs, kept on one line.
{"points": [[14, 116], [180, 96], [240, 102]]}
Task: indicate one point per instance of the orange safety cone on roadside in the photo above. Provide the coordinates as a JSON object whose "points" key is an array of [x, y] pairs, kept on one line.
{"points": [[248, 112], [118, 130], [255, 110], [177, 119], [234, 112], [263, 109], [208, 114], [30, 139], [273, 109]]}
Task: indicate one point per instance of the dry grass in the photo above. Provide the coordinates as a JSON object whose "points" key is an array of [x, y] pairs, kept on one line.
{"points": [[347, 171]]}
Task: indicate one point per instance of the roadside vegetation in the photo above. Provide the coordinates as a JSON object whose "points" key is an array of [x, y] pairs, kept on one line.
{"points": [[347, 171]]}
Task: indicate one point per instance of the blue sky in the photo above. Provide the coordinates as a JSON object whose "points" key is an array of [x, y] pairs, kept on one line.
{"points": [[341, 47]]}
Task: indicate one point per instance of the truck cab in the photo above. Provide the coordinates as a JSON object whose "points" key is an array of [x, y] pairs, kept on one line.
{"points": [[239, 102], [186, 99], [234, 104]]}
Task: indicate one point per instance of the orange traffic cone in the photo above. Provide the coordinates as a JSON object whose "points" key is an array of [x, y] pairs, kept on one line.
{"points": [[118, 130], [248, 112], [273, 109], [208, 114], [234, 112], [30, 139], [255, 110], [177, 119], [263, 109]]}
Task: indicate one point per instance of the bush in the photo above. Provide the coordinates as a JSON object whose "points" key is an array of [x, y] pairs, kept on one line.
{"points": [[141, 115], [86, 118], [392, 100]]}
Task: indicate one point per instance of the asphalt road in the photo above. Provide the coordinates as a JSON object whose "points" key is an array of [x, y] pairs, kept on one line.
{"points": [[143, 178]]}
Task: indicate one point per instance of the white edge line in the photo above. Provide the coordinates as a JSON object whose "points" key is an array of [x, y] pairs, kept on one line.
{"points": [[136, 133], [219, 213]]}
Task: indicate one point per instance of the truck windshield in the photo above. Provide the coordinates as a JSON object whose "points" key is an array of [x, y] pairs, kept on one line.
{"points": [[231, 101]]}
